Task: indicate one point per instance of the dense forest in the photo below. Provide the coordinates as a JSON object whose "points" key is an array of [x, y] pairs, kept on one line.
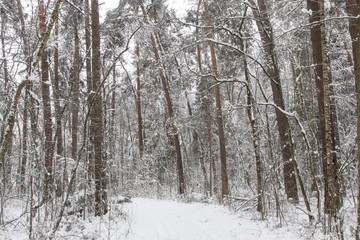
{"points": [[251, 104]]}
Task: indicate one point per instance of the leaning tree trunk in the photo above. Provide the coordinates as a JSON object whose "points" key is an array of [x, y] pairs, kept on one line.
{"points": [[225, 191]]}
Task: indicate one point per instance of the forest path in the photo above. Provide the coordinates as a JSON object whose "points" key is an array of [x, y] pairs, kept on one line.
{"points": [[152, 219]]}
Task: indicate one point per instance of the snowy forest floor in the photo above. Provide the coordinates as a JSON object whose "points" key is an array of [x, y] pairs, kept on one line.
{"points": [[153, 219]]}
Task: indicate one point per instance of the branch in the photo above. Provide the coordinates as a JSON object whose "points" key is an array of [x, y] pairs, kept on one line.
{"points": [[10, 123], [315, 23], [54, 16]]}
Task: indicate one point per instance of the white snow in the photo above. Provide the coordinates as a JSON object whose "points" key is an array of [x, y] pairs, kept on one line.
{"points": [[163, 219], [153, 219]]}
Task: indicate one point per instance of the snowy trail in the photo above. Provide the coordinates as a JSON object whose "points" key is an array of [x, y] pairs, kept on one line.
{"points": [[169, 220]]}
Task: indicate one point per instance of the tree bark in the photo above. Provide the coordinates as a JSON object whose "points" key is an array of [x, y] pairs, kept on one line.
{"points": [[319, 58], [138, 104], [75, 89], [89, 84], [97, 116], [47, 115], [332, 186]]}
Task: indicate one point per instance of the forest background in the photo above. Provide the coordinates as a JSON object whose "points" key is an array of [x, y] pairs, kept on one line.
{"points": [[247, 103]]}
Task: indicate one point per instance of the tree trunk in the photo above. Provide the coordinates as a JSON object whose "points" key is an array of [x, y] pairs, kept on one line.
{"points": [[47, 115], [252, 115], [89, 84], [56, 89], [179, 163], [58, 112], [332, 187], [24, 156], [97, 116], [225, 191], [265, 29], [207, 119], [138, 104], [75, 89], [318, 60]]}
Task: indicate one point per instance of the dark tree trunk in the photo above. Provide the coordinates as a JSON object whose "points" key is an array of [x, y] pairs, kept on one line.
{"points": [[97, 115], [138, 104], [45, 90], [90, 155], [58, 116], [75, 89]]}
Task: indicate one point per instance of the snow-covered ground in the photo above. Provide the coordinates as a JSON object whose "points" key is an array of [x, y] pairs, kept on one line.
{"points": [[165, 220], [153, 219]]}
